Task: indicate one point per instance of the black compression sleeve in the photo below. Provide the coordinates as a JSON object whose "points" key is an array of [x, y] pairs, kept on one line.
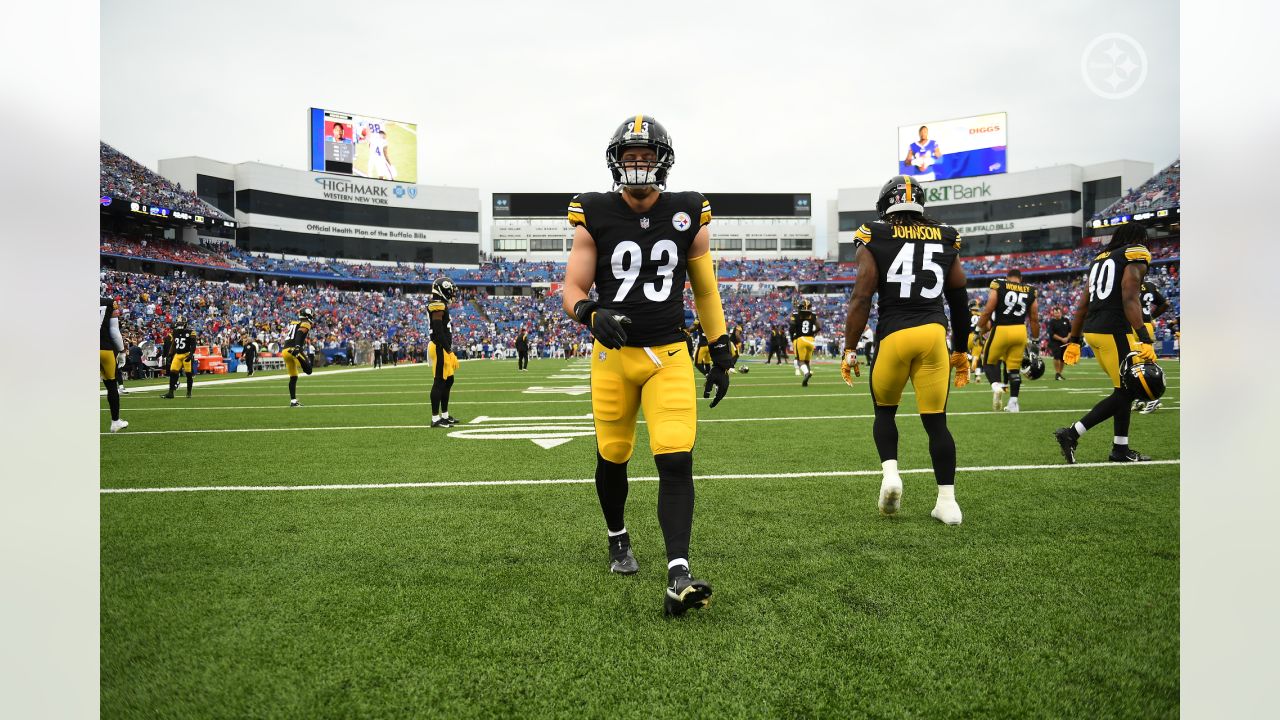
{"points": [[958, 303]]}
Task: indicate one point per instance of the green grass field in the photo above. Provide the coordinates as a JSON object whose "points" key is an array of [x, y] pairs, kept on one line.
{"points": [[478, 584]]}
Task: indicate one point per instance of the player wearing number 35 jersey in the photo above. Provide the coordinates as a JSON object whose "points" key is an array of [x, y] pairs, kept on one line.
{"points": [[1009, 304], [1110, 314], [637, 245], [913, 263]]}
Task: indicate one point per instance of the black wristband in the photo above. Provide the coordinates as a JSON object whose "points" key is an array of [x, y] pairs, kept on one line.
{"points": [[1076, 340], [582, 310]]}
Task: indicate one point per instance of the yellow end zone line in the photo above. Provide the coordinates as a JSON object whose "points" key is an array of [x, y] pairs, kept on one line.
{"points": [[583, 481]]}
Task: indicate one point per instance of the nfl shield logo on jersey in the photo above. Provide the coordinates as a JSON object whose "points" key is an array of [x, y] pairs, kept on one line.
{"points": [[644, 223], [681, 221]]}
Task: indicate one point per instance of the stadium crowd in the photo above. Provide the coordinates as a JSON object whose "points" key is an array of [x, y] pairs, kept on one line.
{"points": [[123, 177], [1162, 191]]}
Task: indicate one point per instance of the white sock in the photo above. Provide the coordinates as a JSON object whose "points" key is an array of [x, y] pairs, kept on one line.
{"points": [[890, 467], [678, 561], [805, 368], [796, 363], [1080, 429], [435, 418], [996, 387], [623, 531], [947, 492], [444, 414], [1120, 440]]}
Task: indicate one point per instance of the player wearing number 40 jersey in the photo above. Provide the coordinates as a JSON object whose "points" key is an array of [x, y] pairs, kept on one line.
{"points": [[1110, 315], [637, 245], [1009, 304], [913, 263]]}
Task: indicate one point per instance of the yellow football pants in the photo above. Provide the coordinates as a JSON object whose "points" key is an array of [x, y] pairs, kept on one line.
{"points": [[916, 353], [658, 379]]}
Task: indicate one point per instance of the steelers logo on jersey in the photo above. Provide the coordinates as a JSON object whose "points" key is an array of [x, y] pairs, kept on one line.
{"points": [[680, 221]]}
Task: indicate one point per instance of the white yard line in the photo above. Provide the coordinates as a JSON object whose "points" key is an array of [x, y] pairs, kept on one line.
{"points": [[583, 481], [491, 420]]}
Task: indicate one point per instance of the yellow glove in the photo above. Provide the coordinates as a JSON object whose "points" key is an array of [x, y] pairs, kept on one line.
{"points": [[850, 363], [1146, 353], [960, 362], [1071, 355]]}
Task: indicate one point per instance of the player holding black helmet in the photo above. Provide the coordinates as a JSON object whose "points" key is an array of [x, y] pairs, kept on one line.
{"points": [[637, 245]]}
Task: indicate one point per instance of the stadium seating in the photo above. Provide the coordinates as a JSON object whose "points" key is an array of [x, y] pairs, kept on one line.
{"points": [[126, 179], [1162, 191]]}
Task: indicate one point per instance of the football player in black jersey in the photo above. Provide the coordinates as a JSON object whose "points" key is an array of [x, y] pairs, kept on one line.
{"points": [[1154, 305], [180, 349], [1110, 314], [109, 343], [736, 339], [637, 245], [1009, 304], [976, 342], [913, 262], [804, 325], [444, 363], [295, 351]]}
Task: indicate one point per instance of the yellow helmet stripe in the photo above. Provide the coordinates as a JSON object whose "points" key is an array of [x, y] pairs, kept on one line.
{"points": [[639, 124], [1142, 378], [908, 188]]}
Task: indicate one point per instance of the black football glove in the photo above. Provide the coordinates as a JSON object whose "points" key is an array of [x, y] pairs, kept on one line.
{"points": [[718, 377], [606, 325]]}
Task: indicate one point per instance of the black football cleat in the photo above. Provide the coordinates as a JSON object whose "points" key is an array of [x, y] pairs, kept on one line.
{"points": [[442, 422], [1067, 441], [451, 420], [685, 593], [805, 382], [621, 560], [168, 395], [1128, 456]]}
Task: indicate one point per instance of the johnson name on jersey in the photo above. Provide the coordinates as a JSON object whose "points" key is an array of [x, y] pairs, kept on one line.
{"points": [[912, 262], [1012, 301], [641, 258], [1106, 306]]}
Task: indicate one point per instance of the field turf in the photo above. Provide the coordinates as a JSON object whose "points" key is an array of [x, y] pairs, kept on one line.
{"points": [[477, 585]]}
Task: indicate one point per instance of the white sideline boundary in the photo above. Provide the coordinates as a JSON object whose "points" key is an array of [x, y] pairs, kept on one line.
{"points": [[583, 481], [497, 421]]}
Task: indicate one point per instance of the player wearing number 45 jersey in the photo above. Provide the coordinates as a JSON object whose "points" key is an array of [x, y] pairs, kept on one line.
{"points": [[913, 263], [1110, 314], [637, 246], [1009, 303]]}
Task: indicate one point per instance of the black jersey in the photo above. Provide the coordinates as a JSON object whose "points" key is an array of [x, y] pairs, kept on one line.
{"points": [[1151, 298], [642, 258], [803, 324], [106, 311], [296, 335], [442, 327], [912, 262], [735, 335], [1013, 300], [1106, 304], [183, 342]]}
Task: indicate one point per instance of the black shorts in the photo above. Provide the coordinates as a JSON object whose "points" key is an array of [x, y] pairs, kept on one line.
{"points": [[1058, 350]]}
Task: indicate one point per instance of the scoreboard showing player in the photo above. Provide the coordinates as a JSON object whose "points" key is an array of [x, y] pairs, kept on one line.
{"points": [[946, 149], [364, 146]]}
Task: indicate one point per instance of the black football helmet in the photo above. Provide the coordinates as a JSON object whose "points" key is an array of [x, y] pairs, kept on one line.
{"points": [[443, 288], [180, 322], [900, 194], [1142, 380], [1032, 365], [804, 304], [640, 131], [307, 314]]}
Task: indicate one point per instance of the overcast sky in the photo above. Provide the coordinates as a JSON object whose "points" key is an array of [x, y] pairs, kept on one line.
{"points": [[522, 96]]}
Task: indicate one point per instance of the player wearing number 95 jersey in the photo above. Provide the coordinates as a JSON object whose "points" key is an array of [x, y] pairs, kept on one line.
{"points": [[913, 262], [1009, 304], [637, 244], [1110, 314]]}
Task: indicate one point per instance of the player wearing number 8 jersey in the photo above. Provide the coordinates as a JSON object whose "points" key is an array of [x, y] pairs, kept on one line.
{"points": [[637, 245], [1110, 314], [913, 263], [804, 326], [1009, 304]]}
